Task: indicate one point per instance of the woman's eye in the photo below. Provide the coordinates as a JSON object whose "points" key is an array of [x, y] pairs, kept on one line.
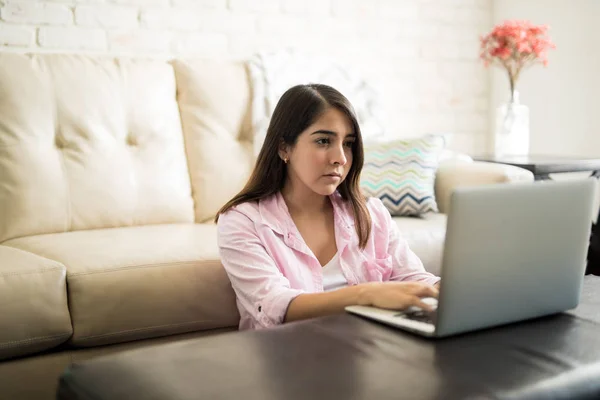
{"points": [[349, 144], [322, 141]]}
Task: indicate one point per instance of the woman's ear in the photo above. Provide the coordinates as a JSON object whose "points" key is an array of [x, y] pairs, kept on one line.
{"points": [[284, 152]]}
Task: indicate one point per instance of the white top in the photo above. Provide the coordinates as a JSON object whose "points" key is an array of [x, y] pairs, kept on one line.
{"points": [[333, 278]]}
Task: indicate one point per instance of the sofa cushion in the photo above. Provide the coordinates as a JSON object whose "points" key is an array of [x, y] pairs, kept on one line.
{"points": [[402, 174], [139, 282], [214, 103], [89, 142], [34, 315], [425, 236]]}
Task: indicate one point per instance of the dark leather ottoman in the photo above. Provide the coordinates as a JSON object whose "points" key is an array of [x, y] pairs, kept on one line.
{"points": [[345, 357]]}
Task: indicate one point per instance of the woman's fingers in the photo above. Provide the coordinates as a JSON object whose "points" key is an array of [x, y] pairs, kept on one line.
{"points": [[423, 290], [401, 295], [429, 291], [416, 301]]}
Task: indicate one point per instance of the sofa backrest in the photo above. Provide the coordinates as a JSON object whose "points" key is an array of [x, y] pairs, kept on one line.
{"points": [[89, 143], [215, 105], [97, 142]]}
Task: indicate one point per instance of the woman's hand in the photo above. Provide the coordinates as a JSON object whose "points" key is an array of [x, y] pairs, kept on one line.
{"points": [[390, 295], [396, 295]]}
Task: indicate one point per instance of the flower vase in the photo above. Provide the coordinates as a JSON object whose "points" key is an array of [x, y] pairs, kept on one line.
{"points": [[511, 136]]}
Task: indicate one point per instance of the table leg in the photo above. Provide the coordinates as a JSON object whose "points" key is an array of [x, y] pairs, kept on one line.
{"points": [[542, 177]]}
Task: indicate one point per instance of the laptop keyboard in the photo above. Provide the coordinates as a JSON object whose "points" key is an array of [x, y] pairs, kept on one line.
{"points": [[418, 315]]}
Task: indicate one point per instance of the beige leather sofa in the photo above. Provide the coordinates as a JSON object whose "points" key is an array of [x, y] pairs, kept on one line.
{"points": [[111, 171]]}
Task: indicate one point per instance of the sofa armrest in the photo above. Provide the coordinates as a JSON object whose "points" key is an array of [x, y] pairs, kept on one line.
{"points": [[34, 313], [462, 173]]}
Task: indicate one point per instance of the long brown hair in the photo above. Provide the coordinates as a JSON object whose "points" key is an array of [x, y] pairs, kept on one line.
{"points": [[298, 108]]}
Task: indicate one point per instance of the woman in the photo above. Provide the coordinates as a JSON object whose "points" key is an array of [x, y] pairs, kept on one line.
{"points": [[300, 241]]}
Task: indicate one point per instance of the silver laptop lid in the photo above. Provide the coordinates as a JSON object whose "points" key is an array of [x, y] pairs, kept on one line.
{"points": [[513, 252]]}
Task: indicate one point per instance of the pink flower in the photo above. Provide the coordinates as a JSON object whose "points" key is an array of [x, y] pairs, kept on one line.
{"points": [[514, 45], [501, 52]]}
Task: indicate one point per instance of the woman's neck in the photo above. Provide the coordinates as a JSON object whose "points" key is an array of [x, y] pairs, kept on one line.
{"points": [[303, 201]]}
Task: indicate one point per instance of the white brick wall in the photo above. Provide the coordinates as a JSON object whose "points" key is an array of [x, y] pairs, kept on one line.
{"points": [[36, 12], [106, 16], [60, 38], [420, 54], [19, 36]]}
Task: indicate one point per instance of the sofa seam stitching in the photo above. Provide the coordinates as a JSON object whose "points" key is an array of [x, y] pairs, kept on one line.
{"points": [[138, 266], [38, 339], [145, 329], [60, 269]]}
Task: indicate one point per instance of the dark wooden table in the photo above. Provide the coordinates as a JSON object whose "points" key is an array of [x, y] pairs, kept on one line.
{"points": [[346, 357], [544, 165]]}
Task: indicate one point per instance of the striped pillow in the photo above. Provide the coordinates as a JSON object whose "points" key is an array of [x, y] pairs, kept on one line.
{"points": [[402, 174]]}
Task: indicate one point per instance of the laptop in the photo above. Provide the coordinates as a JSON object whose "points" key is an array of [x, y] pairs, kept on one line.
{"points": [[512, 252]]}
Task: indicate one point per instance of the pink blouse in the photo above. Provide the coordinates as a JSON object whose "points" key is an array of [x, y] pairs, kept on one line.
{"points": [[269, 264]]}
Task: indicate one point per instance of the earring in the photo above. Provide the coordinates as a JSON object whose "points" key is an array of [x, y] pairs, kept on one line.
{"points": [[285, 160]]}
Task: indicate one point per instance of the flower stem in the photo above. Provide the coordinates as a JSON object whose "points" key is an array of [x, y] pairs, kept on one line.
{"points": [[512, 85]]}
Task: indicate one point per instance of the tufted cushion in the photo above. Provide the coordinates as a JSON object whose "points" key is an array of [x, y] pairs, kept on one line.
{"points": [[89, 143], [214, 102]]}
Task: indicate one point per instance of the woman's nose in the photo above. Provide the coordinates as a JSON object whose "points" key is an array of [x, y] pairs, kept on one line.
{"points": [[339, 156]]}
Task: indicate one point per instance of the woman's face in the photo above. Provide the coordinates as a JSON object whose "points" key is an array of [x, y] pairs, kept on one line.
{"points": [[322, 156]]}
